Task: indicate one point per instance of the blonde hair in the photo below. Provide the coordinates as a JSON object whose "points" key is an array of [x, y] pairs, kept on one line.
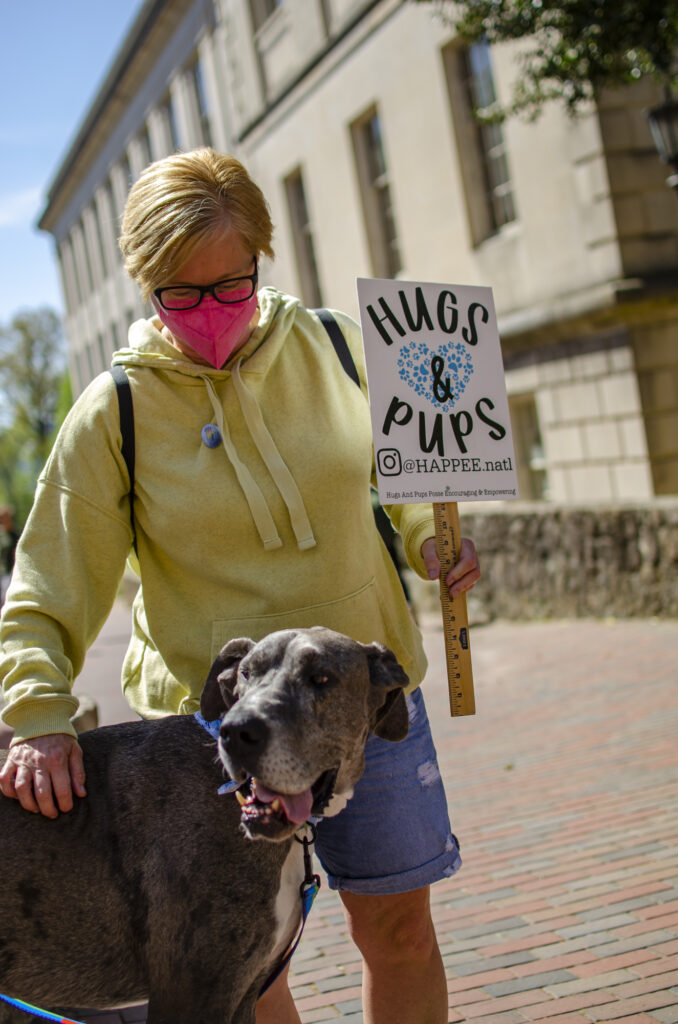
{"points": [[181, 201]]}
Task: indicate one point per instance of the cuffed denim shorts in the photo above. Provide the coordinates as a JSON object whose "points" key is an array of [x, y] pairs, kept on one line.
{"points": [[394, 834]]}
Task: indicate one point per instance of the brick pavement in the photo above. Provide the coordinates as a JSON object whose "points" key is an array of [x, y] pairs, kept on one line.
{"points": [[563, 791]]}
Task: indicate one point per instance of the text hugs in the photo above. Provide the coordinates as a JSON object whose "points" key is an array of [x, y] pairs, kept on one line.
{"points": [[446, 316]]}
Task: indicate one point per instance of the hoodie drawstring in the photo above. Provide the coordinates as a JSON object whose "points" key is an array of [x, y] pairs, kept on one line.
{"points": [[278, 469], [263, 520], [274, 462]]}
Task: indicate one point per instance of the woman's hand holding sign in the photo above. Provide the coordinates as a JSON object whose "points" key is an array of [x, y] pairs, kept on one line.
{"points": [[463, 575]]}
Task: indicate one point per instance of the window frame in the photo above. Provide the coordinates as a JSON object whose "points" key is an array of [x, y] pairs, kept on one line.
{"points": [[481, 142], [376, 193], [302, 238]]}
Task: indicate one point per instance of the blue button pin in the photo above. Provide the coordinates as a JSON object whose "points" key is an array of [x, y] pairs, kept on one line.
{"points": [[211, 435]]}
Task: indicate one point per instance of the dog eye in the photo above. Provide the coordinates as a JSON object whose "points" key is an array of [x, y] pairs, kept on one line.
{"points": [[321, 679], [244, 673]]}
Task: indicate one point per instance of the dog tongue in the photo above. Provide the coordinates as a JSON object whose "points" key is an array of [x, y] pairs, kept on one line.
{"points": [[297, 806]]}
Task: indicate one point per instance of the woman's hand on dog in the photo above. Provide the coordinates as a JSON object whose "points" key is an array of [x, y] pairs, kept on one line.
{"points": [[462, 576], [43, 773]]}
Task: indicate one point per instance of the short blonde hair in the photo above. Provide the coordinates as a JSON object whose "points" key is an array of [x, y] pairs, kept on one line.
{"points": [[182, 200]]}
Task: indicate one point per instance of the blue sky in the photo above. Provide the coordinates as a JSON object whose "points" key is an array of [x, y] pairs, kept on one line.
{"points": [[55, 54]]}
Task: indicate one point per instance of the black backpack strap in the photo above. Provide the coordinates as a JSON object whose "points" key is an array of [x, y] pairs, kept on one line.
{"points": [[339, 342], [126, 408]]}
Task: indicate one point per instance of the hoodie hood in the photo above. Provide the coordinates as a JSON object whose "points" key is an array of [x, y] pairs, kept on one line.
{"points": [[149, 348]]}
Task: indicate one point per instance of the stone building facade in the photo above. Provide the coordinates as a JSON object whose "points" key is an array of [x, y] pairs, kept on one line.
{"points": [[355, 117]]}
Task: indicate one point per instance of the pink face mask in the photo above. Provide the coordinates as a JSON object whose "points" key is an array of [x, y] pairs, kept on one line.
{"points": [[212, 329]]}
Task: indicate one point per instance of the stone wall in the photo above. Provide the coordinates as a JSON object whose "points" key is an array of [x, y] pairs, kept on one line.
{"points": [[544, 561]]}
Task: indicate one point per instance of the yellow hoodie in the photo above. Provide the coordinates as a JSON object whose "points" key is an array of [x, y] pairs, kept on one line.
{"points": [[272, 528]]}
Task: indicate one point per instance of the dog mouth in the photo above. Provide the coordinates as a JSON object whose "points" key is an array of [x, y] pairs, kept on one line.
{"points": [[267, 813]]}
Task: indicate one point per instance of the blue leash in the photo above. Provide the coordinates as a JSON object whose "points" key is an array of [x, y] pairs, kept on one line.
{"points": [[308, 891], [19, 1004]]}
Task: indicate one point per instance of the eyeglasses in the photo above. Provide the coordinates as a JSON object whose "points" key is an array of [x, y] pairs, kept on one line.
{"points": [[231, 289]]}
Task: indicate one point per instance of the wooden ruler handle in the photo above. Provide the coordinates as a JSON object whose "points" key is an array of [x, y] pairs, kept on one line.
{"points": [[455, 614]]}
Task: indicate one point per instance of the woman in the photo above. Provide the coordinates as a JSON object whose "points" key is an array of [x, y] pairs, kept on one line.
{"points": [[252, 512]]}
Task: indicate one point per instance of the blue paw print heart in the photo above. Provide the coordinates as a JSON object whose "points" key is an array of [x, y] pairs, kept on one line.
{"points": [[440, 375]]}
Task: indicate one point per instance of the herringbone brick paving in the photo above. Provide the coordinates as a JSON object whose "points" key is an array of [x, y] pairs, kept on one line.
{"points": [[563, 793]]}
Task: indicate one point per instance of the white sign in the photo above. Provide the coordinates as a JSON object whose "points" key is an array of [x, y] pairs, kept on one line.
{"points": [[440, 417]]}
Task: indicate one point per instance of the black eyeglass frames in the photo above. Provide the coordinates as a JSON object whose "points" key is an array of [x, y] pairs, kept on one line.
{"points": [[231, 289]]}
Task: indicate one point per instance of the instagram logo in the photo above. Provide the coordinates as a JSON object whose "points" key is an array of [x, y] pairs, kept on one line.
{"points": [[388, 462]]}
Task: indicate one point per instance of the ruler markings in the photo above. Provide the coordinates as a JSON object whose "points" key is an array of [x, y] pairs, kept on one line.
{"points": [[455, 615]]}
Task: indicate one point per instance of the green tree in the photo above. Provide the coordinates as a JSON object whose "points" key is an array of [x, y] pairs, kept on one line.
{"points": [[574, 48], [16, 481], [32, 383]]}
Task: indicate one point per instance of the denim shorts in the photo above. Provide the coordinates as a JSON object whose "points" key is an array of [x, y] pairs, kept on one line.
{"points": [[394, 834]]}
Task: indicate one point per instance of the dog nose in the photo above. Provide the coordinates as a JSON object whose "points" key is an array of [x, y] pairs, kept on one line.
{"points": [[246, 736]]}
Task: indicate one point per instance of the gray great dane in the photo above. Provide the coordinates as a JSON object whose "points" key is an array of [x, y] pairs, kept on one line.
{"points": [[156, 887]]}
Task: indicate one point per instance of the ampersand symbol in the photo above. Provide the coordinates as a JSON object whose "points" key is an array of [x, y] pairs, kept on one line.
{"points": [[441, 388]]}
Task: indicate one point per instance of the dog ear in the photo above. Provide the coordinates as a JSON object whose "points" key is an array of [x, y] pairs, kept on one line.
{"points": [[217, 695], [390, 720]]}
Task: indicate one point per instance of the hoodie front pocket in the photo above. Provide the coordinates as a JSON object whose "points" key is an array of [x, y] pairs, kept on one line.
{"points": [[356, 614]]}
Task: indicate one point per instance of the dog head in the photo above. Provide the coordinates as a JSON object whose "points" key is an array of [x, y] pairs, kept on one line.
{"points": [[297, 710]]}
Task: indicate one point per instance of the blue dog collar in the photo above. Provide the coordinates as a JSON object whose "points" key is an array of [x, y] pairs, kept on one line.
{"points": [[213, 729]]}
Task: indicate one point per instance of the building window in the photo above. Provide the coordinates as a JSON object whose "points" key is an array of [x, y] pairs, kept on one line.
{"points": [[101, 244], [85, 268], [262, 11], [115, 337], [91, 368], [113, 225], [481, 143], [529, 448], [81, 372], [127, 169], [117, 186], [375, 194], [483, 99], [302, 236], [144, 148], [74, 371], [202, 105], [170, 122], [103, 354], [120, 188], [69, 276]]}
